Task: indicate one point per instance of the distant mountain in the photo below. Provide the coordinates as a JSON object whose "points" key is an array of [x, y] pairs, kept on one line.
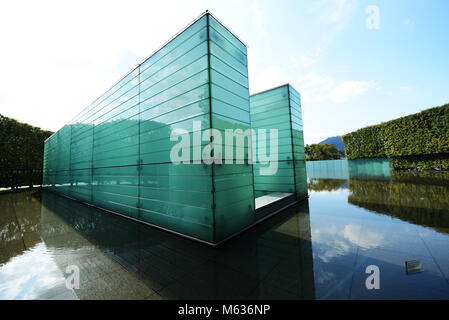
{"points": [[336, 141]]}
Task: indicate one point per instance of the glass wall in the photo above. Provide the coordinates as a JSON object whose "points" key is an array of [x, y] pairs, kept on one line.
{"points": [[174, 94], [233, 183], [328, 169], [299, 154], [378, 168], [280, 108], [116, 153]]}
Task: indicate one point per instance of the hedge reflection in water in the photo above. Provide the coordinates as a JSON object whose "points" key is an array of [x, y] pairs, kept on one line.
{"points": [[421, 198]]}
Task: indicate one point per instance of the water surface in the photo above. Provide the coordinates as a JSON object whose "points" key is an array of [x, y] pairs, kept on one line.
{"points": [[358, 214]]}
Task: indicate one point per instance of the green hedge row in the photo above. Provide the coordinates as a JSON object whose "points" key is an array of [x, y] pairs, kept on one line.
{"points": [[416, 134], [21, 147], [323, 151]]}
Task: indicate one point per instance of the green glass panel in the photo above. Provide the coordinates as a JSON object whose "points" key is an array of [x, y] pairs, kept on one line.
{"points": [[233, 183], [232, 73], [279, 108], [229, 111], [272, 187], [226, 169], [268, 112], [328, 169], [81, 184], [184, 55], [156, 106], [280, 173], [274, 179], [280, 123], [174, 43], [223, 123], [223, 81], [233, 218], [229, 97], [223, 31], [221, 54]]}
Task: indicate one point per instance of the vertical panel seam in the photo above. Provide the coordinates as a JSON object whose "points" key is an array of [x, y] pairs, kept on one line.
{"points": [[252, 148], [70, 156], [291, 136], [139, 159], [210, 124], [92, 165]]}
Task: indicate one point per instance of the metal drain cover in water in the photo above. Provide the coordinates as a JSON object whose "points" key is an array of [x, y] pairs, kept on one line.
{"points": [[413, 266]]}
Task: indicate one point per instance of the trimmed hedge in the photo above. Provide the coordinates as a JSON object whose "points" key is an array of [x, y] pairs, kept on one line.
{"points": [[364, 143], [21, 147], [416, 134]]}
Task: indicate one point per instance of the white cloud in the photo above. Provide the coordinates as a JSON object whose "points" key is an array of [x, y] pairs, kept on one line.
{"points": [[268, 78], [332, 16], [365, 239], [325, 90], [314, 88], [348, 90], [315, 135], [320, 83]]}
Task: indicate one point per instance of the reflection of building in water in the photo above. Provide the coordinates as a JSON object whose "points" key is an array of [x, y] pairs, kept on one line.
{"points": [[292, 239], [423, 204], [252, 266], [100, 276]]}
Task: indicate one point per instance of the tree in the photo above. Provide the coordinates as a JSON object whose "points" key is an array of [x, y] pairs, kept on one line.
{"points": [[322, 152]]}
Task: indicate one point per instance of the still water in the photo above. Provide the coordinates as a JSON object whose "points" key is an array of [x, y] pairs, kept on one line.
{"points": [[359, 214]]}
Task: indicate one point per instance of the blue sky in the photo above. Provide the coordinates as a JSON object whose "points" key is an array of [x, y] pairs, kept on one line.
{"points": [[57, 57]]}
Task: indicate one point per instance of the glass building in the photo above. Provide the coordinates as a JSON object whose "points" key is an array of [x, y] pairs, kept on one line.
{"points": [[280, 108], [117, 153]]}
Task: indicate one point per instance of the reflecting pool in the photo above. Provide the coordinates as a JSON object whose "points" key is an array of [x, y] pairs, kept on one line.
{"points": [[358, 215]]}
